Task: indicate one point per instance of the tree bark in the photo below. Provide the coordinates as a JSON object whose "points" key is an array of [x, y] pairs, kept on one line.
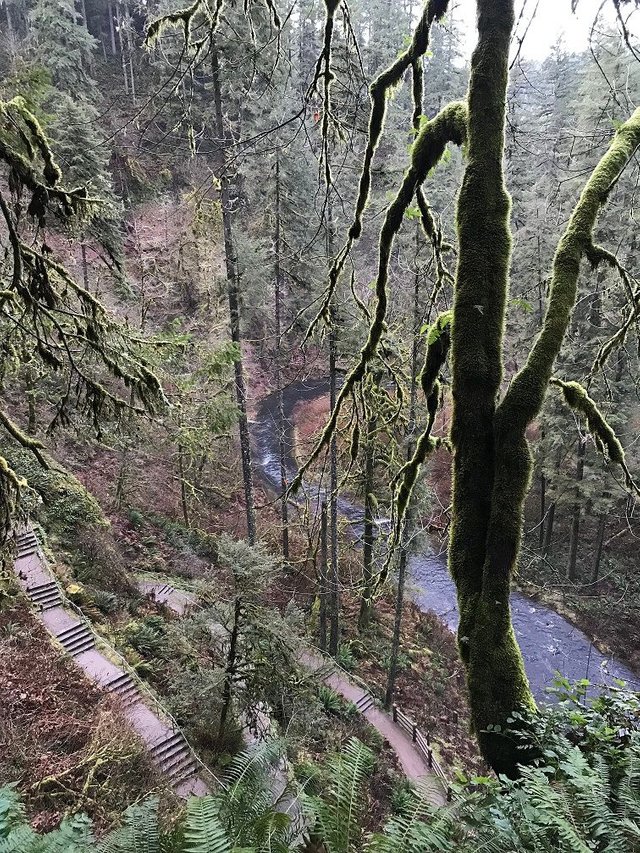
{"points": [[543, 508], [123, 59], [233, 297], [364, 617], [112, 32], [397, 623], [408, 525], [602, 526], [548, 532], [230, 668], [334, 577], [284, 504], [575, 516], [322, 616]]}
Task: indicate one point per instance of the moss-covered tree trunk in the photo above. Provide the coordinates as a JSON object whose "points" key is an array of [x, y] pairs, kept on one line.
{"points": [[480, 567], [492, 463]]}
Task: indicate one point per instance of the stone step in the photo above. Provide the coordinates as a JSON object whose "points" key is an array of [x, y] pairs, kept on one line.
{"points": [[130, 696], [166, 745], [364, 702], [47, 597], [82, 644], [26, 537], [39, 587], [120, 684], [183, 771], [171, 764], [26, 550], [125, 689], [68, 634], [47, 600]]}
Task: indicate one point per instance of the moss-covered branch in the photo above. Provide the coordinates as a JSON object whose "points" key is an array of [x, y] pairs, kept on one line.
{"points": [[524, 398], [448, 126], [603, 434], [438, 342], [411, 58]]}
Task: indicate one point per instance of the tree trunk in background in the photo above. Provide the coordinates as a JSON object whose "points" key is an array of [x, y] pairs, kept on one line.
{"points": [[112, 31], [543, 508], [364, 617], [182, 475], [334, 575], [602, 525], [397, 623], [334, 579], [548, 533], [233, 296], [284, 505], [30, 387], [408, 525], [123, 59], [322, 616], [230, 669], [130, 46], [575, 522]]}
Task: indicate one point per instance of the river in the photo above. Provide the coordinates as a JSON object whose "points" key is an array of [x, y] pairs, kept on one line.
{"points": [[549, 642]]}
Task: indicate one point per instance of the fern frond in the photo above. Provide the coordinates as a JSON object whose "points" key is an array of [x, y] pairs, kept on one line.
{"points": [[139, 832], [202, 829]]}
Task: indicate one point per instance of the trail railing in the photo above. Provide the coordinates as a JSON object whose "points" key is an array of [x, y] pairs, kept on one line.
{"points": [[423, 745]]}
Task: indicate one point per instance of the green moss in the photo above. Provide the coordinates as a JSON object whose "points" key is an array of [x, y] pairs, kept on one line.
{"points": [[448, 126], [492, 461], [63, 505], [605, 438]]}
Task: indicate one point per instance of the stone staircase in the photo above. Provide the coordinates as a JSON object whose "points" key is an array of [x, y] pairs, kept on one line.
{"points": [[168, 748], [125, 688], [174, 758], [365, 702], [76, 639]]}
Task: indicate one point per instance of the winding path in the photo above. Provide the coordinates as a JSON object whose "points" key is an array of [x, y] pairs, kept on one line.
{"points": [[413, 764]]}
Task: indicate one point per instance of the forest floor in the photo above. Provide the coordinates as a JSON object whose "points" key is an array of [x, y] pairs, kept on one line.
{"points": [[62, 739]]}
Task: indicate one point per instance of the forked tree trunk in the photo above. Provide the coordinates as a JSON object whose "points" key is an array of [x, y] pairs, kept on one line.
{"points": [[234, 298]]}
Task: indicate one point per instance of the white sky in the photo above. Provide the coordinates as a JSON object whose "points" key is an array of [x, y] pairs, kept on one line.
{"points": [[553, 20]]}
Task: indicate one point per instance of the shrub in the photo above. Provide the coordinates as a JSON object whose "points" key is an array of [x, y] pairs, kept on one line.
{"points": [[149, 637]]}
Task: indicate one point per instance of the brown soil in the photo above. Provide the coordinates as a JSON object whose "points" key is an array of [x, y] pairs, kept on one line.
{"points": [[61, 739]]}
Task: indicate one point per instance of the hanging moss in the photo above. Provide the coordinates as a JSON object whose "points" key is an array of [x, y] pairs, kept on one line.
{"points": [[390, 77], [603, 434], [448, 126]]}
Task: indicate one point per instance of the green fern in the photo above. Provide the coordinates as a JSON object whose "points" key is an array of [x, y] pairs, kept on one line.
{"points": [[139, 832], [336, 815], [203, 831]]}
